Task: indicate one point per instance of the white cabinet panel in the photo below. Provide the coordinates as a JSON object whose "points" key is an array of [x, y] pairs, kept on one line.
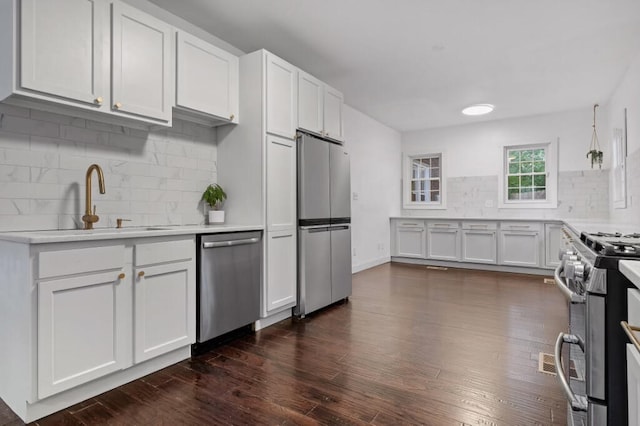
{"points": [[164, 310], [281, 269], [281, 183], [552, 243], [520, 248], [282, 97], [61, 48], [142, 74], [479, 246], [443, 244], [333, 104], [310, 103], [84, 330], [207, 79], [410, 239], [633, 384]]}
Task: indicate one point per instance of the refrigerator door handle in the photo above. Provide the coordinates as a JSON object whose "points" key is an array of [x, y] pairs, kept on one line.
{"points": [[339, 228]]}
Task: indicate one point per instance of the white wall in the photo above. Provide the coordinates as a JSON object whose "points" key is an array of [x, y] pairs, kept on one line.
{"points": [[627, 95], [472, 160], [375, 178]]}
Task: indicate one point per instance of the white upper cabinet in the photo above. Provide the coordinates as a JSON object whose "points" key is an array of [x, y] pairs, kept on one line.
{"points": [[333, 102], [62, 50], [310, 103], [319, 107], [207, 78], [142, 77], [281, 97]]}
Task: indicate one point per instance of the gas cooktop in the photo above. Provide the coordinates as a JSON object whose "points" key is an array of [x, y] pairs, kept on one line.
{"points": [[613, 244]]}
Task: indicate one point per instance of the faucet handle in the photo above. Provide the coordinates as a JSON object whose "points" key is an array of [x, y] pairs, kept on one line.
{"points": [[119, 222]]}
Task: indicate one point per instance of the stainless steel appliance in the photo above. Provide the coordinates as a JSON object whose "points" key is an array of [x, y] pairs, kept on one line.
{"points": [[229, 269], [596, 292], [324, 229]]}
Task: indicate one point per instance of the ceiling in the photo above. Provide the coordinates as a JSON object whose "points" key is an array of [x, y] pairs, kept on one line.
{"points": [[414, 64]]}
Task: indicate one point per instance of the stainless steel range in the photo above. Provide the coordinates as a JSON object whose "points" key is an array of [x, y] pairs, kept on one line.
{"points": [[596, 292]]}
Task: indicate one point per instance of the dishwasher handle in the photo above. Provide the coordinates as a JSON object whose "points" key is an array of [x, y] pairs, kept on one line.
{"points": [[230, 243]]}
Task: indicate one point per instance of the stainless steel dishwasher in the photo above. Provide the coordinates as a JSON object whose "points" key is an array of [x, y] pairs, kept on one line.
{"points": [[229, 269]]}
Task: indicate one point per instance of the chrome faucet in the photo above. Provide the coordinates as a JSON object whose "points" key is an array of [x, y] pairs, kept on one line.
{"points": [[90, 216]]}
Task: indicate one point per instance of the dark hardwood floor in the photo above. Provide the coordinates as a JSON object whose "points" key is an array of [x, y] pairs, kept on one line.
{"points": [[412, 346]]}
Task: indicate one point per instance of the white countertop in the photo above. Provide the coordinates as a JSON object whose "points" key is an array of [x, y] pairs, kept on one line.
{"points": [[580, 226], [631, 270], [67, 235]]}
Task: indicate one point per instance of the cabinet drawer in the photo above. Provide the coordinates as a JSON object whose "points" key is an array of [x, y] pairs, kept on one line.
{"points": [[521, 226], [480, 225], [79, 261], [164, 251], [450, 224], [633, 303], [408, 223]]}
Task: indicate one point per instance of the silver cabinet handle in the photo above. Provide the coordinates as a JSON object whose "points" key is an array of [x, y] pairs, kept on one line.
{"points": [[442, 224], [578, 402], [573, 297], [479, 226], [410, 224], [230, 243], [519, 226]]}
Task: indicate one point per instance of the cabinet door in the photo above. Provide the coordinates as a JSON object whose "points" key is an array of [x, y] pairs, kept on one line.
{"points": [[282, 97], [520, 248], [207, 79], [61, 48], [479, 246], [341, 282], [310, 103], [84, 330], [410, 242], [281, 183], [142, 75], [552, 244], [633, 384], [333, 102], [281, 281], [444, 244], [164, 309]]}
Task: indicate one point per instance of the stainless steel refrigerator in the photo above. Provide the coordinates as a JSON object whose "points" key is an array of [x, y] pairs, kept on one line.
{"points": [[324, 224]]}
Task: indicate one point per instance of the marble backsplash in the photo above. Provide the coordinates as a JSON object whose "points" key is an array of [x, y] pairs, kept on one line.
{"points": [[151, 178], [581, 195]]}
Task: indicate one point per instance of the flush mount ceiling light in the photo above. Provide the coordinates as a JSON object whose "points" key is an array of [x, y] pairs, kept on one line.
{"points": [[478, 109]]}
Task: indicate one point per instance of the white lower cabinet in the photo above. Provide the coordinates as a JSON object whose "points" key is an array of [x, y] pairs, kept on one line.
{"points": [[164, 309], [443, 241], [410, 239], [281, 282], [99, 310], [633, 384], [552, 244], [520, 244], [479, 242], [84, 330]]}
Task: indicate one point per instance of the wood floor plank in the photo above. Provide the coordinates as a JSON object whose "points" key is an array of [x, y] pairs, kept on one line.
{"points": [[412, 346]]}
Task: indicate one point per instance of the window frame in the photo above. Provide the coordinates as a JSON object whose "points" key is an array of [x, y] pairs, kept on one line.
{"points": [[551, 181], [406, 182]]}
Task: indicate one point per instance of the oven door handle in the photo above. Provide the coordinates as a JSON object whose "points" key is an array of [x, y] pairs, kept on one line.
{"points": [[578, 402], [573, 297]]}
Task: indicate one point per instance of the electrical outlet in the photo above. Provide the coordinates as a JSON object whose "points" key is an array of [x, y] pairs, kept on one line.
{"points": [[354, 195], [488, 203], [354, 252]]}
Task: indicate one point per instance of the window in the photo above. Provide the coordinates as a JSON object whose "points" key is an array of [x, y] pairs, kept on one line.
{"points": [[423, 183], [530, 176]]}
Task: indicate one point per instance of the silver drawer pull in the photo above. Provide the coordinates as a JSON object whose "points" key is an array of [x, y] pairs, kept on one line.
{"points": [[479, 226], [631, 332], [442, 224], [578, 402], [520, 226], [410, 224], [230, 243]]}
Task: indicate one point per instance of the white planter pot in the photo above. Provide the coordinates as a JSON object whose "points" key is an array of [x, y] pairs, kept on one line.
{"points": [[216, 216]]}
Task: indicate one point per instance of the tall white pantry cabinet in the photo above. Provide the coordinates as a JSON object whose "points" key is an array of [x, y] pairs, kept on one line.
{"points": [[258, 160]]}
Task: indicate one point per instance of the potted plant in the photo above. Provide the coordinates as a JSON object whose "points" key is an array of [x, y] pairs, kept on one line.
{"points": [[214, 195]]}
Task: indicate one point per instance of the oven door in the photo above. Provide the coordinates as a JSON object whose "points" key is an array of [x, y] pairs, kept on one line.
{"points": [[570, 359]]}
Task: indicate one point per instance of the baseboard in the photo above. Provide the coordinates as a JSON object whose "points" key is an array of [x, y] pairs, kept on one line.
{"points": [[476, 266], [366, 265], [270, 320]]}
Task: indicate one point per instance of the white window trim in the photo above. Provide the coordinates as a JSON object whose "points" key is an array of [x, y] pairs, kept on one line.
{"points": [[406, 183], [552, 179]]}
